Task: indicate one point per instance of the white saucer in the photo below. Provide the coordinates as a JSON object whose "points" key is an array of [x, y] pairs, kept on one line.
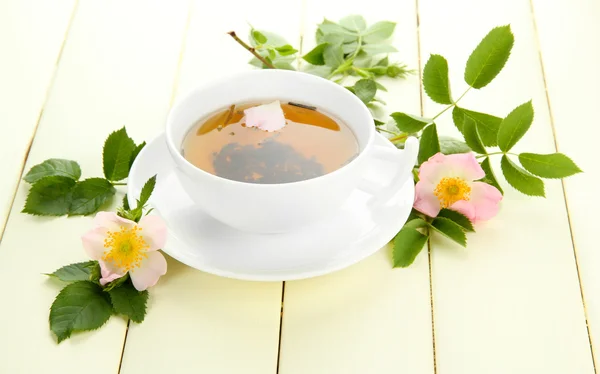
{"points": [[198, 240]]}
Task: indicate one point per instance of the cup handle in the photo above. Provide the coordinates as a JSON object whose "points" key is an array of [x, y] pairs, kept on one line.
{"points": [[407, 157]]}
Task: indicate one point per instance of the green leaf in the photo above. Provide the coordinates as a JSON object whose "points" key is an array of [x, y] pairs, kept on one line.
{"points": [[136, 152], [147, 191], [383, 62], [449, 146], [335, 39], [380, 87], [365, 89], [375, 49], [80, 306], [408, 243], [95, 273], [378, 122], [118, 149], [52, 167], [125, 203], [328, 27], [520, 179], [408, 123], [116, 283], [283, 65], [487, 125], [555, 165], [490, 56], [272, 39], [89, 195], [333, 56], [458, 218], [315, 56], [354, 23], [128, 301], [349, 48], [415, 223], [489, 175], [80, 271], [435, 80], [514, 126], [272, 54], [472, 136], [320, 71], [429, 144], [49, 196], [259, 37], [378, 32], [450, 229], [286, 50]]}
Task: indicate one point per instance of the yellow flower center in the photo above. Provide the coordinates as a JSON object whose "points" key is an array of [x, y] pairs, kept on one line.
{"points": [[125, 248], [451, 190]]}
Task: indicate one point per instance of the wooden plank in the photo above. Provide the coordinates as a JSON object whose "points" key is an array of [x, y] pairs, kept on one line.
{"points": [[212, 324], [31, 35], [568, 53], [368, 318], [510, 303], [117, 67]]}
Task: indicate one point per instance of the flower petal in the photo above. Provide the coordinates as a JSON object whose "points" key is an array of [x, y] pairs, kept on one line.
{"points": [[111, 221], [483, 204], [109, 272], [432, 170], [425, 201], [93, 242], [462, 165], [268, 117], [154, 232], [151, 268]]}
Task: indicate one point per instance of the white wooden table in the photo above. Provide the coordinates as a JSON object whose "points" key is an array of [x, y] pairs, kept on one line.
{"points": [[523, 298]]}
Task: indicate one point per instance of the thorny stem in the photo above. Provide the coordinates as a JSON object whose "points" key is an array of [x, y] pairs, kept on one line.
{"points": [[251, 50]]}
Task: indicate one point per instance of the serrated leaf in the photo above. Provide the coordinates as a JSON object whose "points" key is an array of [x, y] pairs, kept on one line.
{"points": [[333, 55], [408, 243], [53, 167], [408, 123], [89, 195], [147, 191], [489, 57], [354, 23], [514, 126], [415, 223], [458, 218], [378, 32], [429, 144], [487, 125], [520, 179], [489, 174], [80, 271], [328, 27], [435, 80], [555, 165], [116, 155], [315, 56], [258, 36], [375, 49], [449, 146], [472, 136], [128, 301], [450, 229], [80, 306], [365, 89], [125, 203], [50, 196], [136, 152]]}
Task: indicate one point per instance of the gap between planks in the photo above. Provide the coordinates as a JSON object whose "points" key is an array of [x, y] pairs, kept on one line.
{"points": [[37, 122], [562, 181]]}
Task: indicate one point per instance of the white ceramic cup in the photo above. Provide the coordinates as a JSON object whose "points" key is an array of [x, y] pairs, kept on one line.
{"points": [[276, 208]]}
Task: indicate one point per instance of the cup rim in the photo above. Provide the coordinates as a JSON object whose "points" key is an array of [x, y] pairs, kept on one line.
{"points": [[191, 168]]}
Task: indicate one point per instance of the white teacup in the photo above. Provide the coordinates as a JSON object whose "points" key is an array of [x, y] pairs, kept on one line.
{"points": [[276, 208]]}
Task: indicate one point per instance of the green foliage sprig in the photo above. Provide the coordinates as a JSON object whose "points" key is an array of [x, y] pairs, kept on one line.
{"points": [[56, 189]]}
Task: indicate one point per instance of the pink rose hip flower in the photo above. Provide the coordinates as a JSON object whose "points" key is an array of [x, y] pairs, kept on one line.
{"points": [[121, 245], [448, 181]]}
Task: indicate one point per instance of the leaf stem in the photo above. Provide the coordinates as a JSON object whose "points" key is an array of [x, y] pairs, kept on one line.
{"points": [[461, 96], [497, 153], [119, 184], [251, 50], [387, 131], [398, 137], [452, 105]]}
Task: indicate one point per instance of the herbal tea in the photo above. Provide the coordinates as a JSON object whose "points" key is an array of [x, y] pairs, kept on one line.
{"points": [[269, 143]]}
